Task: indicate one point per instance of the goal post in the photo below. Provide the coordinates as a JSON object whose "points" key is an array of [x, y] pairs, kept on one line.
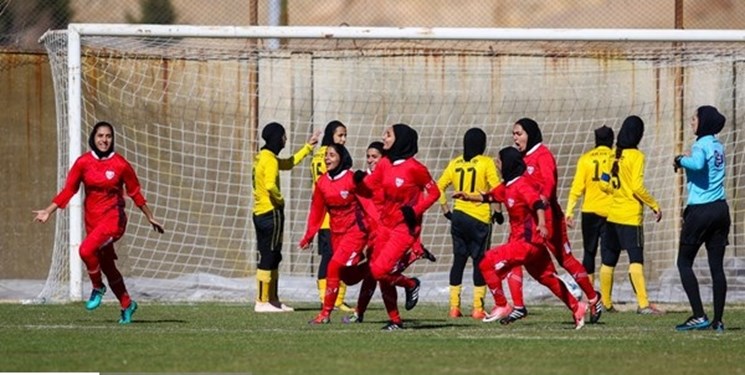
{"points": [[188, 103]]}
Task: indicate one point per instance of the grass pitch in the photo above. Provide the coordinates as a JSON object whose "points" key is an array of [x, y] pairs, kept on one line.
{"points": [[232, 338]]}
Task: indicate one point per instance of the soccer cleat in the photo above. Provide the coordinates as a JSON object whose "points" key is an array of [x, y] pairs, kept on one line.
{"points": [[412, 294], [393, 326], [282, 306], [455, 313], [320, 319], [344, 307], [478, 314], [596, 308], [611, 309], [514, 316], [96, 297], [428, 255], [650, 310], [694, 323], [354, 318], [497, 313], [266, 307], [579, 315], [127, 313], [718, 326]]}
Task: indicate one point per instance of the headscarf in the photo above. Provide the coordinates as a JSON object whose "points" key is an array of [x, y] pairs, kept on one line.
{"points": [[513, 165], [272, 135], [377, 145], [474, 143], [92, 140], [604, 136], [345, 160], [532, 130], [405, 145], [710, 121], [629, 136], [328, 132]]}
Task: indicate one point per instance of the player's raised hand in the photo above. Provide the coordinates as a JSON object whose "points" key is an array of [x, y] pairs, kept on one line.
{"points": [[315, 137]]}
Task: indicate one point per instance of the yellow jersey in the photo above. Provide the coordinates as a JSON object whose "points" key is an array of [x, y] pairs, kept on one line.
{"points": [[629, 193], [267, 165], [587, 182], [318, 168], [478, 175]]}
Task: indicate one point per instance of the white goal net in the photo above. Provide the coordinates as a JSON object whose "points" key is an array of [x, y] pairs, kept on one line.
{"points": [[188, 109]]}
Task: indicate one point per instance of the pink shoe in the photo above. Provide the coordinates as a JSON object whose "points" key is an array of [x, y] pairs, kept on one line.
{"points": [[498, 312]]}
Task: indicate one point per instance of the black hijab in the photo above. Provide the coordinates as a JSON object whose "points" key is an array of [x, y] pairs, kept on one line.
{"points": [[532, 130], [710, 121], [513, 165], [345, 160], [377, 145], [604, 136], [328, 132], [92, 140], [405, 145], [474, 143], [272, 135], [629, 136]]}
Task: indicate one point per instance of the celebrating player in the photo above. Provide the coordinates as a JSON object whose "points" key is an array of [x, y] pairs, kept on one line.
{"points": [[335, 132], [407, 190], [334, 197], [105, 175], [470, 221], [596, 202], [268, 212], [541, 167], [706, 218], [624, 226], [525, 246]]}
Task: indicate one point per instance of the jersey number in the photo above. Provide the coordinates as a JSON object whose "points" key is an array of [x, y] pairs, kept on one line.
{"points": [[462, 180]]}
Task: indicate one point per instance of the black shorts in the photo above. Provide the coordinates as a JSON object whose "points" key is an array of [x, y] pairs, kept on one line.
{"points": [[623, 237], [471, 237], [707, 223], [593, 228], [324, 242], [269, 228]]}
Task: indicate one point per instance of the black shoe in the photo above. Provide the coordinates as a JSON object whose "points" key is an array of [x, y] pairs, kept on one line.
{"points": [[392, 326], [428, 255], [514, 316], [412, 294], [596, 308]]}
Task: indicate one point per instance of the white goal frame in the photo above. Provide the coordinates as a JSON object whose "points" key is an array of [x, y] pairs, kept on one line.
{"points": [[75, 31]]}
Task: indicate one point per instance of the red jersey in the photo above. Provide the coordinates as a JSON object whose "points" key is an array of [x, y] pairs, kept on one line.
{"points": [[541, 166], [519, 196], [402, 183], [336, 196], [104, 181]]}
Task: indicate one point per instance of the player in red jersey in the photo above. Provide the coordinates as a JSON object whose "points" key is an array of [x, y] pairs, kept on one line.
{"points": [[526, 243], [407, 191], [335, 194], [105, 175], [541, 167]]}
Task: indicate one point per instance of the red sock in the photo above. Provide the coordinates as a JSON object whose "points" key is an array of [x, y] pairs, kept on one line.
{"points": [[390, 297], [515, 283]]}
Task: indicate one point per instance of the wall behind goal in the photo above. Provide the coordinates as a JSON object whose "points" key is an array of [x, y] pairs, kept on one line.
{"points": [[186, 116]]}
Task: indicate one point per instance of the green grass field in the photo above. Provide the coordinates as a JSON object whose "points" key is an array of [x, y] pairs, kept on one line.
{"points": [[232, 338]]}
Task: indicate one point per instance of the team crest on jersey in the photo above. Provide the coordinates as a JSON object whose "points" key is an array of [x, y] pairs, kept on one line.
{"points": [[499, 265], [110, 174], [510, 202], [531, 169], [344, 194], [399, 181]]}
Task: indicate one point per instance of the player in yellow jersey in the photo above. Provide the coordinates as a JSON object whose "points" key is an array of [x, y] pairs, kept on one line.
{"points": [[470, 227], [268, 212], [624, 227], [596, 202], [335, 132]]}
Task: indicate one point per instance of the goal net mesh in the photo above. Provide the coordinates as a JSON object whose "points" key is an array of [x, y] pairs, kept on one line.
{"points": [[187, 113]]}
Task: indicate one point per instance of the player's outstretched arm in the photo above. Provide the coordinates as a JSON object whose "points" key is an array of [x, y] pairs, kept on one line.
{"points": [[43, 215]]}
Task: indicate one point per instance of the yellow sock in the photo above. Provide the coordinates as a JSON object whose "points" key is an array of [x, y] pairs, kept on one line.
{"points": [[455, 296], [606, 285], [321, 289], [263, 281], [342, 293], [636, 274], [479, 292]]}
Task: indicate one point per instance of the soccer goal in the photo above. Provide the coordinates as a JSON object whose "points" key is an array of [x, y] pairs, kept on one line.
{"points": [[188, 103]]}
